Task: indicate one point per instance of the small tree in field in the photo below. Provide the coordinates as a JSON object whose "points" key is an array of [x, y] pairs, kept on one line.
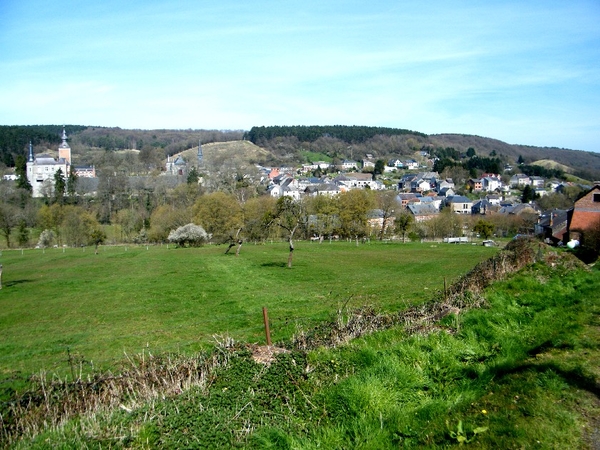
{"points": [[97, 237], [403, 222], [191, 235], [46, 239], [484, 228], [289, 215]]}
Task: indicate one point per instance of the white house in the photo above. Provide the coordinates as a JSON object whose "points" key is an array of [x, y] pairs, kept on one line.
{"points": [[491, 184], [519, 180], [349, 165], [411, 164]]}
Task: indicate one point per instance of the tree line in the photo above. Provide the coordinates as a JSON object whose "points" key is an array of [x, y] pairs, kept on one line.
{"points": [[15, 139], [348, 134]]}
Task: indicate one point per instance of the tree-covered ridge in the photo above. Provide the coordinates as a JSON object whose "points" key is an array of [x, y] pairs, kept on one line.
{"points": [[349, 134], [172, 141], [14, 139]]}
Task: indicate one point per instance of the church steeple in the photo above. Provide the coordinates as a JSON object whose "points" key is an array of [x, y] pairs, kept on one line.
{"points": [[64, 139], [30, 159], [64, 151]]}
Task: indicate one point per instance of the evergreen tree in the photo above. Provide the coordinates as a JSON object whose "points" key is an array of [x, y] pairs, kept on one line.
{"points": [[21, 171], [71, 183], [193, 176], [59, 186], [528, 194], [23, 233]]}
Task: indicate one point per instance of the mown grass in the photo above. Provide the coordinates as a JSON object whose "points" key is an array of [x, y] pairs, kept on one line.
{"points": [[59, 307], [523, 372]]}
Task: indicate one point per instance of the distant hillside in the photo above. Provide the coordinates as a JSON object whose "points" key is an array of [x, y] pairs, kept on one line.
{"points": [[584, 164], [288, 145]]}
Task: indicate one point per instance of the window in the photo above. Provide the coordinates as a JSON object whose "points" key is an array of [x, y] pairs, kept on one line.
{"points": [[596, 198]]}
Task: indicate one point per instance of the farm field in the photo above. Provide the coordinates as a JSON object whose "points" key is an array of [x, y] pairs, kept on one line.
{"points": [[61, 306]]}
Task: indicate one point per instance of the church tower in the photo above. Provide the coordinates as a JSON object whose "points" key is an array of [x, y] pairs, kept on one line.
{"points": [[64, 151]]}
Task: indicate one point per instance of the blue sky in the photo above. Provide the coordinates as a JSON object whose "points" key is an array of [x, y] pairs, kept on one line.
{"points": [[525, 72]]}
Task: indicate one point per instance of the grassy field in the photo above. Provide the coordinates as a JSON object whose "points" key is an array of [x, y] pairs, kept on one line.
{"points": [[520, 372], [57, 304]]}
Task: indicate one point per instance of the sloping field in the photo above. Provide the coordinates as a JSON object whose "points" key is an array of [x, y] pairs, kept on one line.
{"points": [[550, 164], [244, 151], [56, 306]]}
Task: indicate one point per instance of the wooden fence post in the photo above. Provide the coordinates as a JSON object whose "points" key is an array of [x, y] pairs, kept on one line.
{"points": [[266, 320], [445, 290]]}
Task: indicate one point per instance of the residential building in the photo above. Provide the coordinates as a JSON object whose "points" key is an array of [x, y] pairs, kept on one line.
{"points": [[553, 226], [586, 213], [423, 211], [491, 183], [475, 184], [520, 180], [459, 204]]}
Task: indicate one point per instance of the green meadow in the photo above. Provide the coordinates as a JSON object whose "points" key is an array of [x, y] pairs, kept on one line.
{"points": [[63, 305], [520, 371]]}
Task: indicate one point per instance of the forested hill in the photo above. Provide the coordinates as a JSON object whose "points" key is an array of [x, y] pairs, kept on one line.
{"points": [[289, 144], [349, 134], [14, 139], [587, 164]]}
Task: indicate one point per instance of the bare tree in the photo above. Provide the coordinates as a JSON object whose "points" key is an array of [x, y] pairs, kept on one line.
{"points": [[235, 240], [387, 203], [289, 215], [8, 220]]}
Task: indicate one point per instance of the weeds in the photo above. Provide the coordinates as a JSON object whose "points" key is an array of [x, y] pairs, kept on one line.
{"points": [[461, 435], [51, 401]]}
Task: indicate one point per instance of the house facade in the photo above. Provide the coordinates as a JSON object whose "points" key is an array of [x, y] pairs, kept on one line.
{"points": [[586, 213], [459, 204]]}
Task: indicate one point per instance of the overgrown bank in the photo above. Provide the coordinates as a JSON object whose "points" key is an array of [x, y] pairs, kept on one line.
{"points": [[522, 369]]}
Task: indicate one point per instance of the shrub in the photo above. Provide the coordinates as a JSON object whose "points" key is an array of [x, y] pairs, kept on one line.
{"points": [[188, 235], [46, 239]]}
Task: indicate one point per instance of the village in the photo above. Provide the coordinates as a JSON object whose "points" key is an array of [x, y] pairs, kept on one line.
{"points": [[420, 192]]}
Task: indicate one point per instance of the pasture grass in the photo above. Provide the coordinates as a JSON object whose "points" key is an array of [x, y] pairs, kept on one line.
{"points": [[61, 308], [520, 373]]}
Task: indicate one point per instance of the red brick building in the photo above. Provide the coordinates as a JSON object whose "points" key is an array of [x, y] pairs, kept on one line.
{"points": [[586, 213]]}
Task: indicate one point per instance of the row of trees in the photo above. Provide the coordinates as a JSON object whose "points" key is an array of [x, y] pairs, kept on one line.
{"points": [[348, 134]]}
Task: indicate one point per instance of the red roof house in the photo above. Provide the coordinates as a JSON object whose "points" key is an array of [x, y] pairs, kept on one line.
{"points": [[586, 213]]}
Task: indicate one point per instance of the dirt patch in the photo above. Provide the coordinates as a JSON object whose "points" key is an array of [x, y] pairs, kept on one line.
{"points": [[266, 354]]}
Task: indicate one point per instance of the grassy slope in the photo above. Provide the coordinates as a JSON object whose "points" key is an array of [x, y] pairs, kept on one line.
{"points": [[99, 306], [242, 150], [521, 373], [550, 164]]}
